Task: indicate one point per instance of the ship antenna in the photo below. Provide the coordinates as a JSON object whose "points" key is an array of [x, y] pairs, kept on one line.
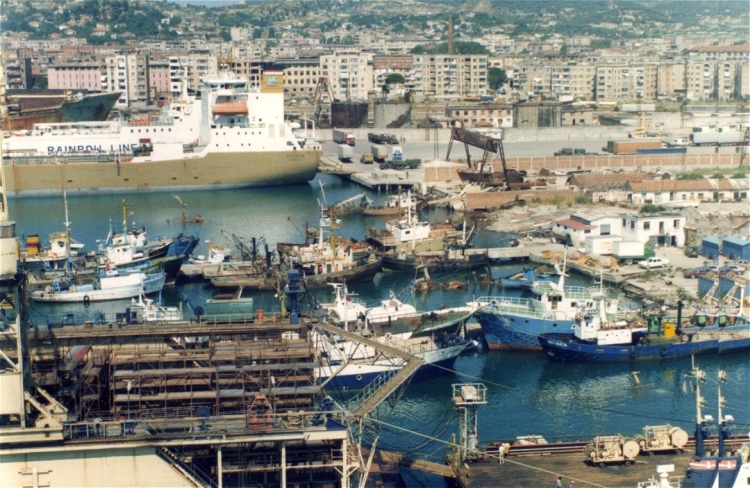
{"points": [[700, 421], [67, 232], [723, 430]]}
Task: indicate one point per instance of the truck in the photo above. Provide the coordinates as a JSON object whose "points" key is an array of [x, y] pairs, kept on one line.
{"points": [[396, 153], [632, 146], [401, 164], [601, 245], [569, 151], [379, 152], [366, 158], [343, 137], [729, 135], [382, 138], [675, 142], [631, 251], [346, 153]]}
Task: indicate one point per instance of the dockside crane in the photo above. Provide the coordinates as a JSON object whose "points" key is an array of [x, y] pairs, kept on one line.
{"points": [[323, 87], [488, 144]]}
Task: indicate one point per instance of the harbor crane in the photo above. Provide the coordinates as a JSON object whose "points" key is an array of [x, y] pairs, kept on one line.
{"points": [[323, 87], [185, 219], [488, 144]]}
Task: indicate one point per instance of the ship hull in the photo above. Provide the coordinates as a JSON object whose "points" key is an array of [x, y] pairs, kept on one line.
{"points": [[50, 109], [211, 171], [516, 332], [563, 348], [435, 265]]}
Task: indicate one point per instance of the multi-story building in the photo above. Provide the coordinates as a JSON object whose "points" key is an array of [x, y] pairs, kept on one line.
{"points": [[384, 65], [670, 79], [349, 73], [300, 76], [625, 82], [18, 74], [128, 73], [484, 115], [158, 79], [452, 75], [75, 76]]}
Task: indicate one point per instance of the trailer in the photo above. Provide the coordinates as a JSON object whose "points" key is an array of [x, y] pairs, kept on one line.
{"points": [[632, 146], [631, 251], [346, 153], [343, 137], [379, 152], [607, 449], [601, 245], [663, 150], [730, 135], [661, 438], [401, 164]]}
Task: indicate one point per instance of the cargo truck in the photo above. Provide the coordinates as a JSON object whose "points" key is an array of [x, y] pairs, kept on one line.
{"points": [[632, 146], [366, 158], [721, 136], [382, 138], [379, 152], [343, 137], [402, 164], [631, 251], [396, 153], [346, 153]]}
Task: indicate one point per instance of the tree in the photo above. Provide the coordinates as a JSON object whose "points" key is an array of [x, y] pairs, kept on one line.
{"points": [[496, 77], [395, 79]]}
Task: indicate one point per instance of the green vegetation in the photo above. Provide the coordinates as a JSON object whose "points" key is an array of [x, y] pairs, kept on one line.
{"points": [[693, 175], [459, 47], [395, 79], [583, 200], [496, 77], [649, 208]]}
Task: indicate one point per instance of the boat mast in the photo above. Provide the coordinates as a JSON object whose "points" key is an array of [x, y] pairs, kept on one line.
{"points": [[723, 430], [67, 233], [700, 421]]}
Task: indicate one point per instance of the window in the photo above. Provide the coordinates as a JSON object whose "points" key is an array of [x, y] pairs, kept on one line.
{"points": [[646, 225], [624, 223], [676, 224]]}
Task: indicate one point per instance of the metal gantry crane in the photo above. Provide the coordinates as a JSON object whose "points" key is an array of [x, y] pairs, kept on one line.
{"points": [[323, 87], [489, 144]]}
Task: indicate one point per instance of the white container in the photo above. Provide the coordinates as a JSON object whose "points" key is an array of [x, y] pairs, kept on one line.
{"points": [[601, 245]]}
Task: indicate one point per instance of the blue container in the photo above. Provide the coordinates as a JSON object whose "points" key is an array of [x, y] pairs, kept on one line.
{"points": [[710, 247], [735, 248], [663, 150]]}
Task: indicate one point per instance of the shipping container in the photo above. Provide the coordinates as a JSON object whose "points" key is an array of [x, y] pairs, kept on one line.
{"points": [[735, 248], [663, 150], [601, 245], [632, 146], [379, 152], [710, 247]]}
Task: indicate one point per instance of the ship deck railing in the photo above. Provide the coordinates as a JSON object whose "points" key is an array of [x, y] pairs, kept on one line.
{"points": [[519, 306], [141, 425]]}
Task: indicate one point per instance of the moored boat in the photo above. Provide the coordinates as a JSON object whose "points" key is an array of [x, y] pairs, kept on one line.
{"points": [[111, 286], [597, 338], [198, 148]]}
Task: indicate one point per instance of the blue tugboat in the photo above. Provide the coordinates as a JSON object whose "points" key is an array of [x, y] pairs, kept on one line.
{"points": [[597, 339], [516, 323]]}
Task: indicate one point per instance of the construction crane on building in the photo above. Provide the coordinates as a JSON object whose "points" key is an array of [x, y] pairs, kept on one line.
{"points": [[323, 87]]}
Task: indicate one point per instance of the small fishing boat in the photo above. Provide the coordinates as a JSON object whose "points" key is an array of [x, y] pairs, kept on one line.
{"points": [[596, 338], [524, 280], [149, 311], [393, 206], [112, 286]]}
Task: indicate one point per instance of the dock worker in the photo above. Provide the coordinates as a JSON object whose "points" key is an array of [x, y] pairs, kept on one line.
{"points": [[570, 485], [501, 453], [558, 481]]}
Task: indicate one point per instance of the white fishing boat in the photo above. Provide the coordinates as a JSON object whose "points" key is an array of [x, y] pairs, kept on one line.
{"points": [[111, 286], [150, 311]]}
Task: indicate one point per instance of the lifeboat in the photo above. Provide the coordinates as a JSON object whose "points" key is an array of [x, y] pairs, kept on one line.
{"points": [[230, 108]]}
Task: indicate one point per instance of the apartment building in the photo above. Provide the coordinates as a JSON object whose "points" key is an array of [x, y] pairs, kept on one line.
{"points": [[625, 82], [452, 75], [129, 74], [300, 76], [18, 74], [75, 76], [485, 115], [670, 79], [159, 79], [349, 73]]}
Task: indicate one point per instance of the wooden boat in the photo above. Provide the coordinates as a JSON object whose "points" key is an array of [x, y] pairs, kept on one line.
{"points": [[113, 286], [395, 205]]}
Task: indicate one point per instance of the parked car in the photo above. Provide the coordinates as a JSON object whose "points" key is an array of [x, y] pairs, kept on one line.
{"points": [[711, 267], [695, 272], [731, 268], [692, 251], [742, 262], [653, 262]]}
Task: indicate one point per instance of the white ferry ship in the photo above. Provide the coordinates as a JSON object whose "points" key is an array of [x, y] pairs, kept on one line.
{"points": [[232, 136]]}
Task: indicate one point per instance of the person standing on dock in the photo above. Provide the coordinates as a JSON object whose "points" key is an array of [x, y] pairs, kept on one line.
{"points": [[558, 482], [570, 485], [501, 453]]}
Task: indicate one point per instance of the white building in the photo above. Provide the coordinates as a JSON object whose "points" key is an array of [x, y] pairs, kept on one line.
{"points": [[661, 229], [581, 225]]}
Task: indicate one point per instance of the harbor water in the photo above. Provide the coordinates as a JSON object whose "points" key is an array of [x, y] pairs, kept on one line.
{"points": [[527, 395]]}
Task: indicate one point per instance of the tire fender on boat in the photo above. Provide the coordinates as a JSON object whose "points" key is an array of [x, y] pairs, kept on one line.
{"points": [[86, 299], [685, 338], [359, 377], [663, 351], [388, 336]]}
